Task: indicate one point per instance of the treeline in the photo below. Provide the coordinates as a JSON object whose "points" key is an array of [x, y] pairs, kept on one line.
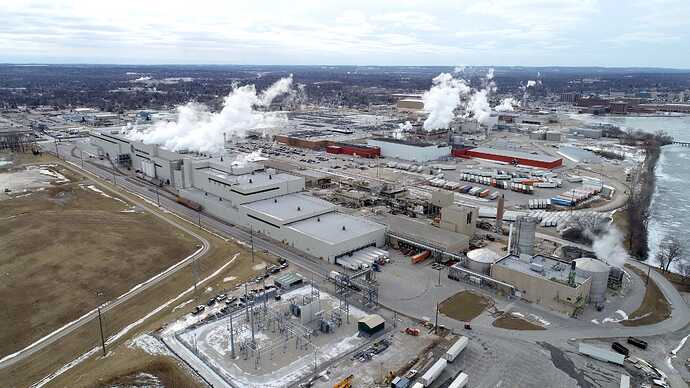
{"points": [[641, 190]]}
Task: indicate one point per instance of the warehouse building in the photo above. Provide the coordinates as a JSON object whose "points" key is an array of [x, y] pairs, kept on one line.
{"points": [[510, 157], [407, 150], [544, 280], [410, 232], [255, 197]]}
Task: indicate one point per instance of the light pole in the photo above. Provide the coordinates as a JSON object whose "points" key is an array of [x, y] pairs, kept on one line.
{"points": [[251, 237], [100, 324], [82, 158]]}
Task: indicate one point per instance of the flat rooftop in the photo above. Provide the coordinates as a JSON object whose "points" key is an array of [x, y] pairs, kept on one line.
{"points": [[553, 268], [290, 208], [329, 227], [422, 232], [248, 183], [515, 154], [401, 141]]}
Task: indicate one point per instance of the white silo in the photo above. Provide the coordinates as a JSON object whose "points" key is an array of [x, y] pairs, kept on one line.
{"points": [[522, 240], [598, 271], [480, 260]]}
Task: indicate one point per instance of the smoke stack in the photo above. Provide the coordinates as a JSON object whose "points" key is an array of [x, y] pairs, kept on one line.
{"points": [[499, 213]]}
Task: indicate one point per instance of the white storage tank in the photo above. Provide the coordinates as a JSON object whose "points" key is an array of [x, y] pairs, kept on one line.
{"points": [[598, 271], [480, 260]]}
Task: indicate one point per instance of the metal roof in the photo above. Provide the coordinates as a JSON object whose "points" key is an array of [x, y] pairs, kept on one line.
{"points": [[372, 320], [335, 228], [515, 154], [290, 208]]}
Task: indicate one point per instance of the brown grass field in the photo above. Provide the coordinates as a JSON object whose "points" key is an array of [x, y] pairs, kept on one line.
{"points": [[122, 362], [465, 306], [654, 307], [508, 321], [62, 246]]}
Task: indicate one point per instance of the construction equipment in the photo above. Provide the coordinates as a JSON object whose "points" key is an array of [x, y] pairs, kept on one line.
{"points": [[345, 383]]}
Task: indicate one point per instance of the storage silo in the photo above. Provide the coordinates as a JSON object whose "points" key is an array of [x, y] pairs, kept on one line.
{"points": [[598, 271], [523, 238], [480, 260]]}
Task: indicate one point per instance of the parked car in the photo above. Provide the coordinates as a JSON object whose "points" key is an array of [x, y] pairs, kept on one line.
{"points": [[211, 301], [198, 309], [231, 300], [221, 297]]}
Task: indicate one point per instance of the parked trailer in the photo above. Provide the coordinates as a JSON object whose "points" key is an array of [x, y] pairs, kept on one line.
{"points": [[349, 264], [459, 381], [433, 372], [616, 346], [419, 257], [637, 342], [186, 202], [601, 354], [456, 349], [418, 385]]}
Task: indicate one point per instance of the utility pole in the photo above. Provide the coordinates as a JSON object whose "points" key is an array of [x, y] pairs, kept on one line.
{"points": [[158, 199], [232, 338], [436, 325], [199, 214], [57, 151], [82, 158], [100, 325], [251, 237], [439, 275]]}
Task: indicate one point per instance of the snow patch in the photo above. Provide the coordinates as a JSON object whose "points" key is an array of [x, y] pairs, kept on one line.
{"points": [[181, 305], [229, 279], [149, 344]]}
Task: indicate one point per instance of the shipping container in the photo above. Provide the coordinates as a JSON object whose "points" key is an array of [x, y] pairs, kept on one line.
{"points": [[419, 257], [456, 348], [459, 381], [620, 349], [637, 342], [433, 372]]}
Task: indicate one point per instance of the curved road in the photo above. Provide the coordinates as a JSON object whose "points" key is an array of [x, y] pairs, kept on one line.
{"points": [[93, 314]]}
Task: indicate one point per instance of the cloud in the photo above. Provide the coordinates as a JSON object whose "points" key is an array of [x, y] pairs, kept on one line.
{"points": [[387, 32]]}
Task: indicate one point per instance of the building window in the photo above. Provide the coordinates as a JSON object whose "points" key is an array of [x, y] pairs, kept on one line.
{"points": [[469, 218]]}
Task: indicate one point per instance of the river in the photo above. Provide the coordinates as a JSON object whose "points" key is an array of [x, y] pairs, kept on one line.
{"points": [[670, 208]]}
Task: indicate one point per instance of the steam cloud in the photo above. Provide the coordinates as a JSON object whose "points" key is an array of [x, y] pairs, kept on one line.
{"points": [[478, 105], [608, 246], [399, 133], [197, 129], [531, 83], [506, 105], [441, 100]]}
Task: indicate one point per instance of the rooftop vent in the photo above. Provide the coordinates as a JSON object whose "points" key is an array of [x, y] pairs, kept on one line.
{"points": [[318, 219], [299, 209], [270, 176], [275, 200], [343, 227], [250, 180]]}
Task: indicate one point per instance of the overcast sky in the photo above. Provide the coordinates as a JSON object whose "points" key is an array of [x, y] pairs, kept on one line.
{"points": [[372, 32]]}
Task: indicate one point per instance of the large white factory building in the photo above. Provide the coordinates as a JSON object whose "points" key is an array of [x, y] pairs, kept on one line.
{"points": [[252, 196]]}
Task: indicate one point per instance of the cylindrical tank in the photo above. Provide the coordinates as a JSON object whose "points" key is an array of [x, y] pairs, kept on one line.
{"points": [[480, 260], [598, 271], [526, 228]]}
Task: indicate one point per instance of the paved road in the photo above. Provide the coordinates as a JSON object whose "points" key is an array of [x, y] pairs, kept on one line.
{"points": [[93, 314]]}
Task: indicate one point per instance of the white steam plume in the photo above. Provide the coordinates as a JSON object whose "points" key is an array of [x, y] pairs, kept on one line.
{"points": [[506, 105], [441, 100], [459, 69], [197, 129], [531, 83], [479, 106], [242, 160], [490, 74], [608, 246], [399, 133]]}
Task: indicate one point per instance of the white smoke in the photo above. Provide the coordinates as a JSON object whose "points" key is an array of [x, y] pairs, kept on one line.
{"points": [[399, 133], [441, 100], [197, 129], [479, 106], [242, 160], [506, 105], [608, 246], [490, 74], [459, 69], [531, 83]]}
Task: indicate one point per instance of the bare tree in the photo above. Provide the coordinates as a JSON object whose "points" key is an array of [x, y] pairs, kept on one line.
{"points": [[670, 251]]}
